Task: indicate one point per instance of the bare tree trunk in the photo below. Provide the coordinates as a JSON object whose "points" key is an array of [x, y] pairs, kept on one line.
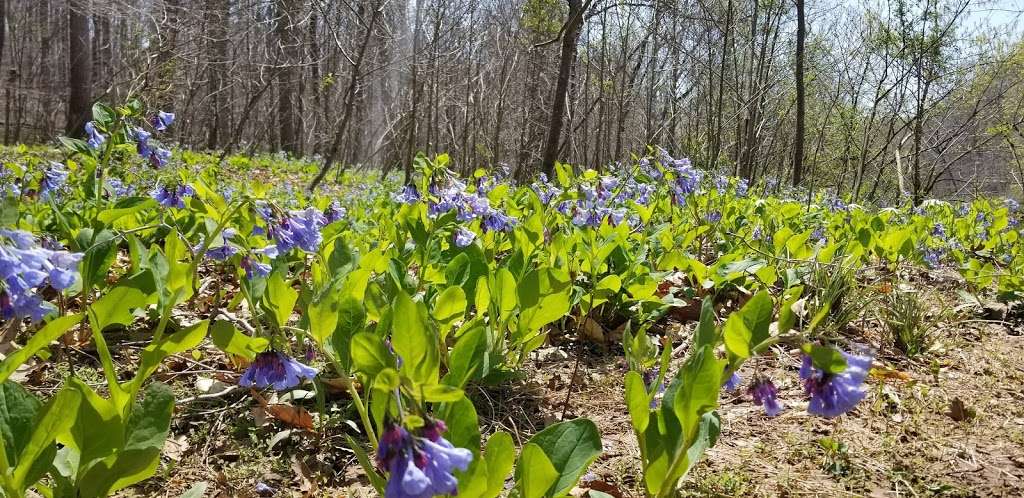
{"points": [[798, 142], [570, 36], [288, 94], [79, 68], [350, 94], [218, 15]]}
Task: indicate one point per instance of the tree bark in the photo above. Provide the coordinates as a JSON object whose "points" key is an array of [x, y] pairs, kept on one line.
{"points": [[798, 142], [350, 95], [288, 94], [570, 36], [79, 68]]}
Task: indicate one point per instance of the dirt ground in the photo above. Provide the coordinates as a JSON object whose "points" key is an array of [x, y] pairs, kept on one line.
{"points": [[950, 423]]}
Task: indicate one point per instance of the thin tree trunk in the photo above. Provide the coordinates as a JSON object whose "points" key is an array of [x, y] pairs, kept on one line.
{"points": [[288, 94], [79, 68], [350, 94], [570, 37], [798, 142]]}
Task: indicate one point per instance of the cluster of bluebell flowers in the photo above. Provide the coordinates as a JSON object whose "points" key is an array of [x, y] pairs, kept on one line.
{"points": [[277, 370], [55, 177], [25, 269], [420, 466], [172, 195]]}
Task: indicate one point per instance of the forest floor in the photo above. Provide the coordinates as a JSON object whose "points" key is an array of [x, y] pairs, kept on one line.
{"points": [[950, 423]]}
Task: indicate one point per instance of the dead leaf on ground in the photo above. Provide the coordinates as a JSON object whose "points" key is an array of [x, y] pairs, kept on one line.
{"points": [[959, 411], [295, 416], [175, 447], [307, 483]]}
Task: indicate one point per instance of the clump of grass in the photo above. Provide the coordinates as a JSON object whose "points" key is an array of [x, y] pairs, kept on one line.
{"points": [[907, 323], [837, 298]]}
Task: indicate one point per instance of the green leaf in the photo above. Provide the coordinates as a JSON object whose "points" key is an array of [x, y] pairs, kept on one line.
{"points": [[441, 393], [543, 298], [470, 357], [369, 354], [18, 412], [505, 294], [116, 306], [351, 320], [570, 447], [100, 250], [787, 318], [179, 342], [323, 317], [226, 337], [103, 114], [536, 473], [699, 384], [757, 314], [145, 433], [42, 338], [706, 331], [500, 456], [826, 358], [125, 207], [463, 424], [280, 298], [707, 436], [638, 402], [737, 336], [414, 342], [37, 455], [449, 307]]}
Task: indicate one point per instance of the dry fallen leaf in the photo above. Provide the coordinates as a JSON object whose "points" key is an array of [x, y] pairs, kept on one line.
{"points": [[295, 416], [959, 411], [175, 447], [307, 484]]}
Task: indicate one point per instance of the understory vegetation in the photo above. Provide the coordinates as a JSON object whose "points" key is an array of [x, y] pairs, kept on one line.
{"points": [[185, 324]]}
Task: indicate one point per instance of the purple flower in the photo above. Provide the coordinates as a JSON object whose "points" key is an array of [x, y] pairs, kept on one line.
{"points": [[733, 382], [742, 186], [464, 237], [420, 466], [95, 138], [1012, 205], [142, 142], [254, 268], [334, 212], [299, 229], [118, 187], [545, 191], [271, 368], [54, 178], [224, 250], [765, 394], [938, 230], [932, 257], [498, 221], [836, 204], [721, 184], [263, 489], [714, 217], [26, 267], [172, 196], [162, 120], [835, 394], [408, 195]]}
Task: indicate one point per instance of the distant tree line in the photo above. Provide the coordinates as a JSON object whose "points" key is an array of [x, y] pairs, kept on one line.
{"points": [[876, 99]]}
